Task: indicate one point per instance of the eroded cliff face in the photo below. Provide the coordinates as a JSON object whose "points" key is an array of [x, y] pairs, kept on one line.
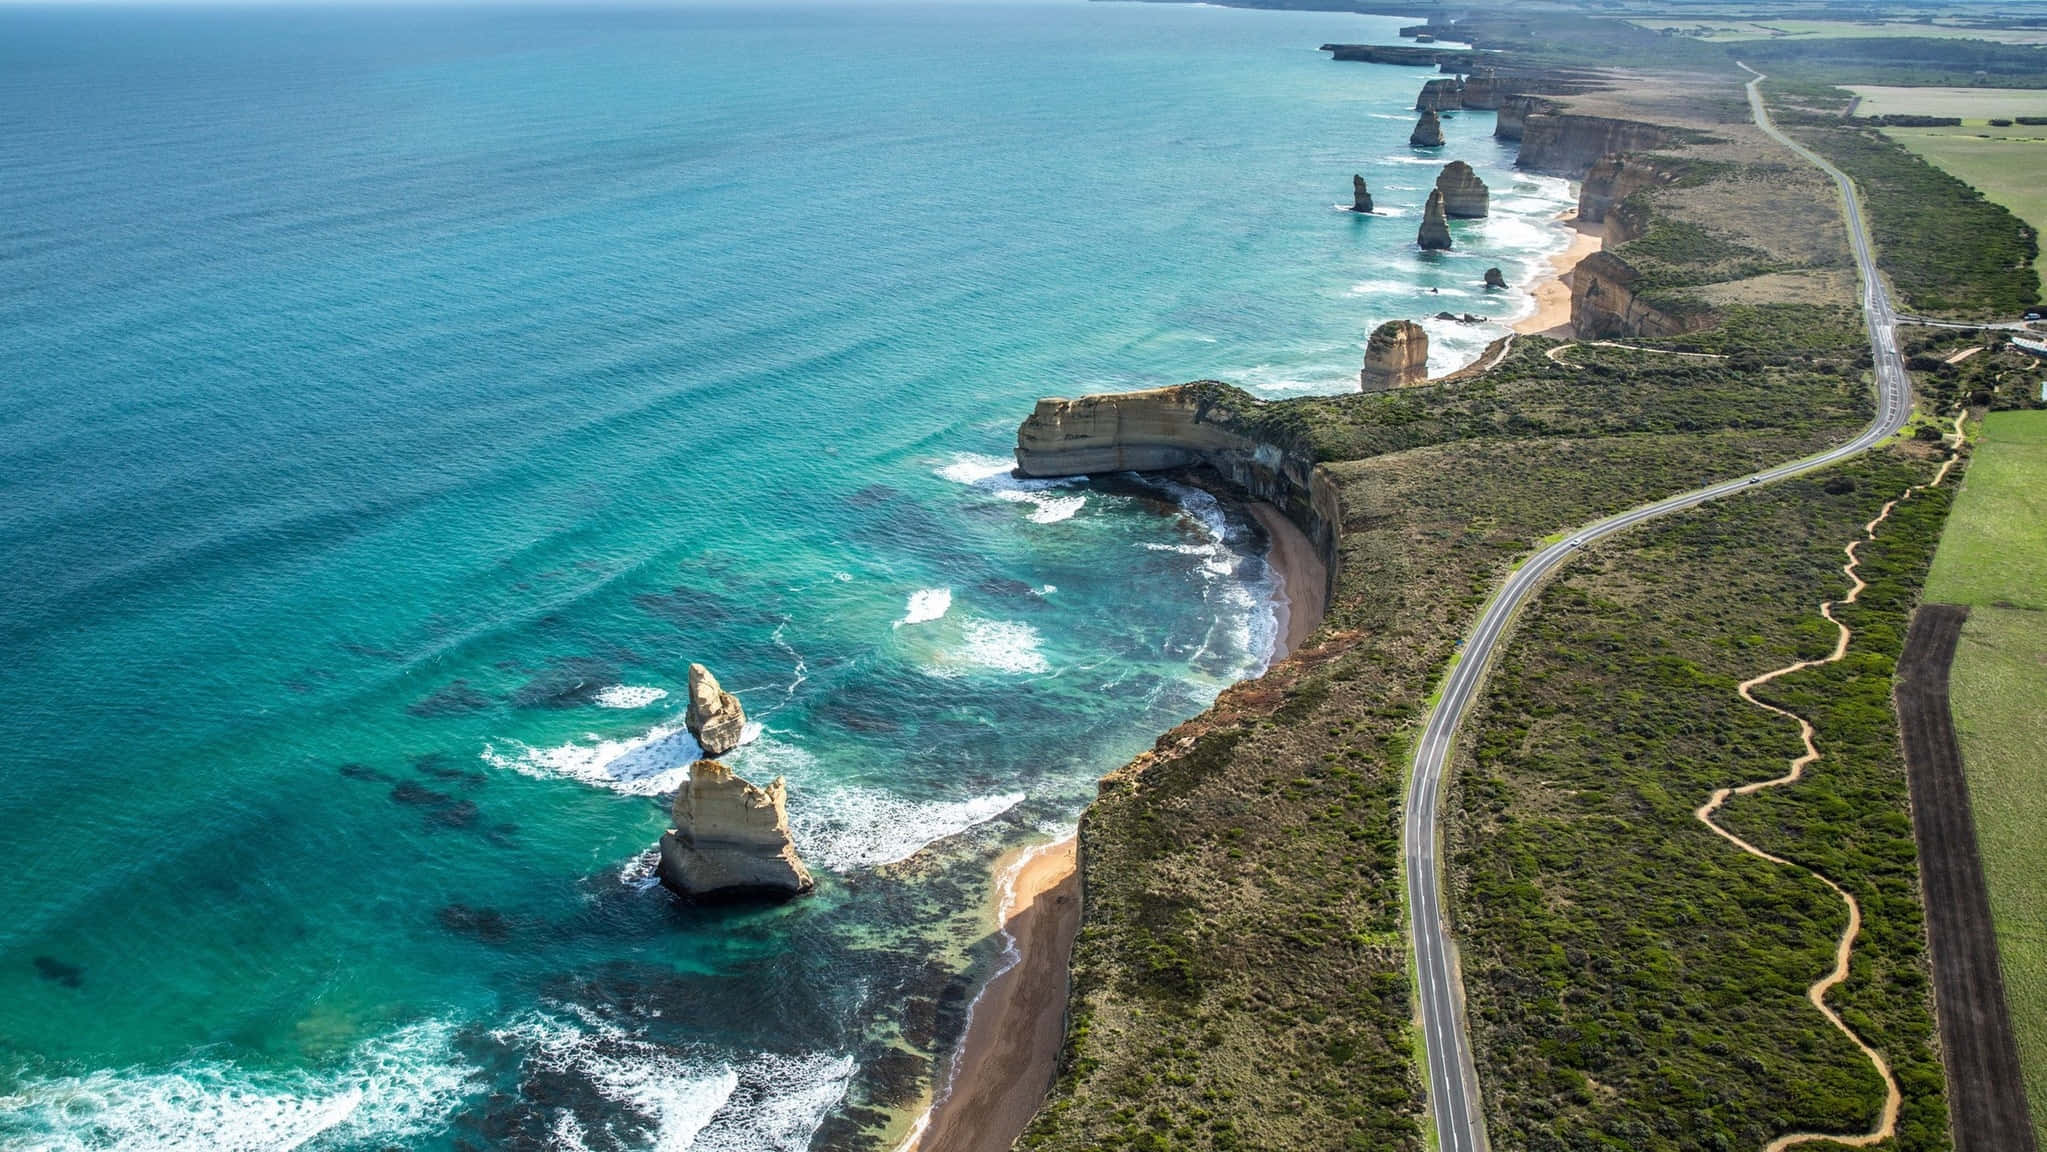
{"points": [[1184, 426], [1613, 179], [1562, 144], [1443, 92], [1483, 90], [1514, 113], [1604, 304]]}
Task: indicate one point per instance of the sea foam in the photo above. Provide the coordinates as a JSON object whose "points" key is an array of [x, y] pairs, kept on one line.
{"points": [[388, 1091], [852, 828], [991, 475], [629, 696], [926, 605]]}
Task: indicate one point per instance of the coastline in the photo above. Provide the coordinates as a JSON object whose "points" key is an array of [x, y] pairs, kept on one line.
{"points": [[1552, 315], [1006, 1062]]}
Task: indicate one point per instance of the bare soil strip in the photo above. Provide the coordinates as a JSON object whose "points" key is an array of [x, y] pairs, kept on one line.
{"points": [[1986, 1092], [1556, 354], [1887, 1124]]}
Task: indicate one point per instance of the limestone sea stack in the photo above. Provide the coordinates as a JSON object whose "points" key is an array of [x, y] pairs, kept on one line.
{"points": [[714, 717], [1441, 93], [730, 840], [1435, 231], [1494, 278], [1360, 196], [1464, 194], [1428, 131], [1397, 355]]}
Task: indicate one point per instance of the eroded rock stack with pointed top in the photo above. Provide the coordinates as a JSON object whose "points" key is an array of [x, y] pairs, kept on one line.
{"points": [[1464, 194], [1360, 196], [1428, 131], [1397, 355], [714, 717], [1435, 230], [731, 839]]}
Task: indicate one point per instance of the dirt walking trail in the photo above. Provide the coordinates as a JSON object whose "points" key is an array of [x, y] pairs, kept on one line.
{"points": [[1556, 354], [1845, 949]]}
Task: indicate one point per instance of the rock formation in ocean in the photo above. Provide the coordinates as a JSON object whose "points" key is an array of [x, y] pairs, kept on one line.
{"points": [[731, 839], [1494, 278], [1440, 93], [1464, 194], [1360, 196], [1397, 355], [1435, 230], [1390, 54], [1428, 131], [714, 717]]}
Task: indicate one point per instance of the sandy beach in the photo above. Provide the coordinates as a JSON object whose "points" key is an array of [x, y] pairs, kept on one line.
{"points": [[1011, 1049], [1303, 587], [1552, 315]]}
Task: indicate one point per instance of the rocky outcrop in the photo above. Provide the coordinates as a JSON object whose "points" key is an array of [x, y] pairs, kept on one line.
{"points": [[1390, 54], [1483, 90], [1514, 113], [731, 839], [1443, 92], [714, 717], [1613, 179], [1428, 131], [1464, 194], [1360, 196], [1190, 425], [1604, 304], [1396, 356], [1561, 144], [1494, 278], [1435, 231]]}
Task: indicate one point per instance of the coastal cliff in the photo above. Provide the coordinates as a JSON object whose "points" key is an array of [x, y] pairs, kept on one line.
{"points": [[1185, 426], [1613, 179], [1514, 114], [1564, 144], [1604, 304]]}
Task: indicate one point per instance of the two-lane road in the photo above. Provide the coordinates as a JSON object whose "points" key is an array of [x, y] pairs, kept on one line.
{"points": [[1453, 1081]]}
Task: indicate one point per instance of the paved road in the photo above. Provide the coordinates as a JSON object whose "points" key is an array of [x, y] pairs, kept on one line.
{"points": [[1453, 1083]]}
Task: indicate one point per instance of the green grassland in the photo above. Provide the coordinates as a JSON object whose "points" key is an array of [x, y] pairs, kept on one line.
{"points": [[1968, 103], [1633, 980], [1993, 558], [1995, 551], [1735, 31]]}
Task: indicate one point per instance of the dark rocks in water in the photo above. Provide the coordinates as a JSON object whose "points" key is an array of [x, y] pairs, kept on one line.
{"points": [[1468, 318], [569, 684], [56, 971], [460, 814], [1464, 194], [1446, 315], [486, 924], [435, 764], [1428, 131], [1360, 196], [354, 771], [419, 795], [1494, 278], [1435, 230], [454, 699]]}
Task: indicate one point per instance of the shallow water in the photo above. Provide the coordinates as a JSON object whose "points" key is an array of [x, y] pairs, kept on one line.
{"points": [[399, 400]]}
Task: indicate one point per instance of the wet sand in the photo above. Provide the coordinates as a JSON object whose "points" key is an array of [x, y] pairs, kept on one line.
{"points": [[1552, 315], [1302, 592], [1011, 1050]]}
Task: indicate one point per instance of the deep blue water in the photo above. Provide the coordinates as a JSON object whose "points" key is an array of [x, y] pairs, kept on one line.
{"points": [[396, 401]]}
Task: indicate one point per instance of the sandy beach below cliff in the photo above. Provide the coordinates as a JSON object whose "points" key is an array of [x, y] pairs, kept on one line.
{"points": [[1552, 315], [1011, 1050], [1302, 588]]}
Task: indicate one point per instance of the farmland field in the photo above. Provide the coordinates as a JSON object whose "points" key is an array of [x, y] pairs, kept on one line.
{"points": [[1968, 103]]}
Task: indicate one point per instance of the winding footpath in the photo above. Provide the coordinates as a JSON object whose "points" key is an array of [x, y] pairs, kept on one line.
{"points": [[1844, 950], [1452, 1076]]}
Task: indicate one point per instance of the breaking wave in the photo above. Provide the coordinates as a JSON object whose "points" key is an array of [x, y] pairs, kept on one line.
{"points": [[991, 475], [852, 828]]}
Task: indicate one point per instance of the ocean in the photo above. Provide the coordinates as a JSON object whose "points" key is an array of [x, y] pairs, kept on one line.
{"points": [[397, 400]]}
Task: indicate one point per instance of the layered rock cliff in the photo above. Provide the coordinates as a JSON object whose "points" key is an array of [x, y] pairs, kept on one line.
{"points": [[731, 839], [1360, 196], [1189, 425], [1434, 235], [1443, 92], [1613, 179], [1428, 131], [1390, 54], [1464, 194], [1396, 356], [714, 717], [1483, 89], [1562, 144], [1604, 303], [1514, 113]]}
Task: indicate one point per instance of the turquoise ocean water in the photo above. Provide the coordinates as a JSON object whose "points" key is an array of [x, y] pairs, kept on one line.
{"points": [[396, 401]]}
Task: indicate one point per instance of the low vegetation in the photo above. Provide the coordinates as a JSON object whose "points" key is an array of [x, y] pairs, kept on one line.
{"points": [[1674, 1016], [2009, 166], [1990, 373]]}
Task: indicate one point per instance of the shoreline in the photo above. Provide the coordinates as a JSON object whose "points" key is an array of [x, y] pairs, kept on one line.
{"points": [[1552, 315], [1005, 1063]]}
